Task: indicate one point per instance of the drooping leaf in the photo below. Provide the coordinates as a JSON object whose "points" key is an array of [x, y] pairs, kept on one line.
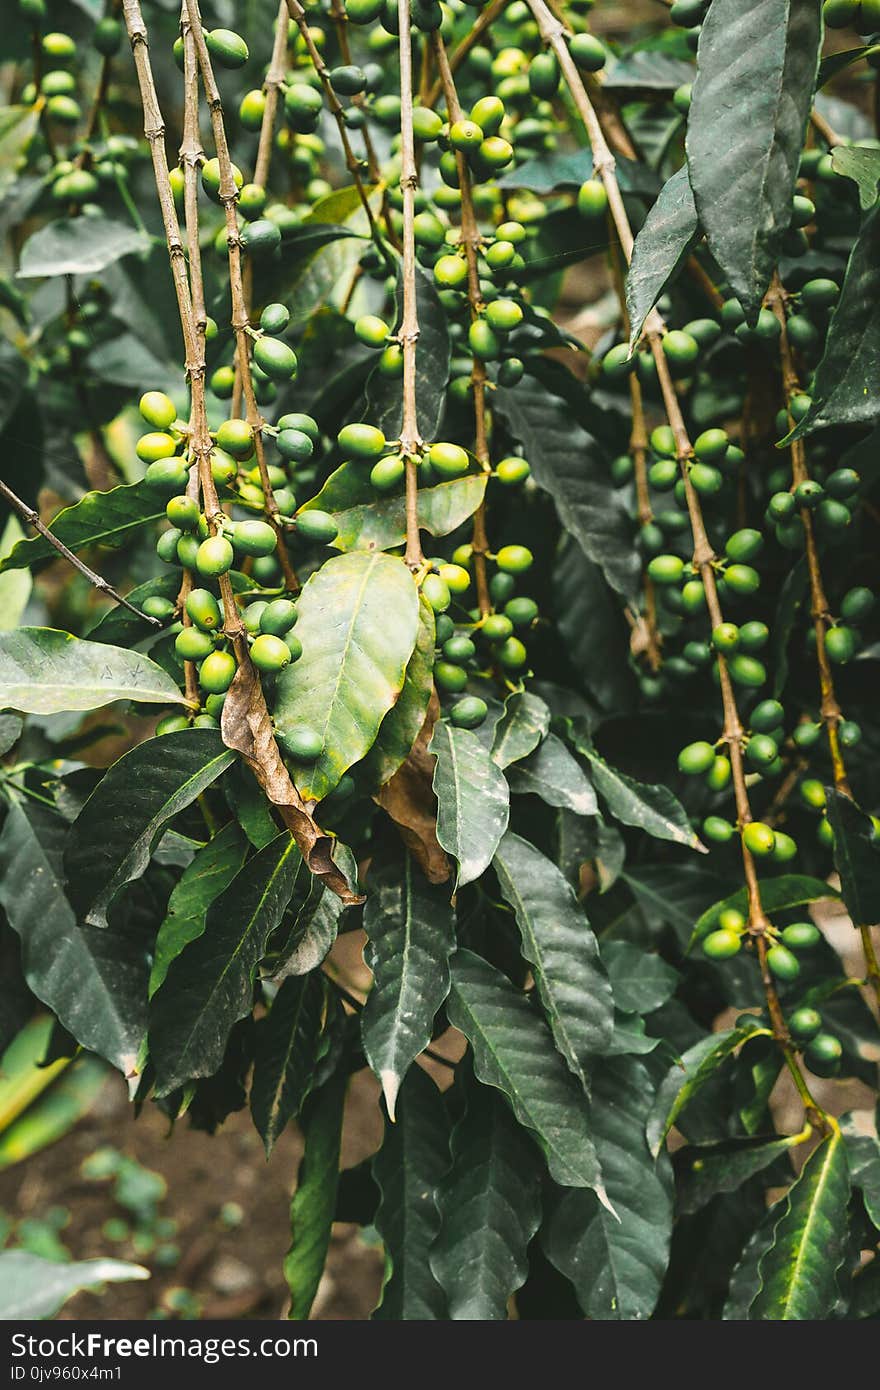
{"points": [[685, 1079], [209, 986], [384, 396], [17, 126], [94, 981], [551, 773], [212, 869], [525, 722], [312, 933], [647, 70], [79, 246], [99, 518], [777, 894], [756, 69], [408, 1167], [514, 1052], [843, 390], [653, 809], [640, 980], [44, 671], [473, 799], [368, 521], [34, 1287], [401, 725], [410, 924], [115, 833], [660, 248], [314, 1199], [285, 1053], [745, 1280], [617, 1263], [863, 167], [559, 944], [863, 1156], [834, 63], [490, 1207], [798, 1271], [358, 623], [569, 463], [705, 1171], [856, 858]]}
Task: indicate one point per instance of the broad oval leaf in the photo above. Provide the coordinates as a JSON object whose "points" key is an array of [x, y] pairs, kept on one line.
{"points": [[44, 671], [99, 518], [514, 1052], [856, 858], [490, 1207], [368, 521], [863, 167], [617, 1263], [685, 1079], [660, 248], [358, 622], [798, 1271], [559, 944], [79, 246], [115, 833], [286, 1050], [525, 722], [551, 773], [756, 72], [473, 799], [640, 981], [410, 925], [210, 985], [702, 1172], [94, 981]]}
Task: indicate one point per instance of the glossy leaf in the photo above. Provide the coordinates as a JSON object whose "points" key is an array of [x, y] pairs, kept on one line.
{"points": [[653, 809], [369, 521], [756, 69], [44, 671], [209, 986], [408, 1167], [473, 799], [100, 518], [314, 1199], [798, 1271], [777, 894], [79, 246], [285, 1053], [117, 829], [490, 1207], [856, 858], [410, 925], [312, 932], [558, 943], [617, 1262], [358, 623], [514, 1052], [698, 1065], [551, 773], [34, 1287], [400, 727], [640, 981], [212, 869], [863, 167], [525, 722], [710, 1169], [664, 240], [95, 982], [591, 621], [863, 1156]]}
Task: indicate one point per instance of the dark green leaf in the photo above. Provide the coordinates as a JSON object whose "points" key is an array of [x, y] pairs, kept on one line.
{"points": [[561, 948], [401, 725], [514, 1052], [798, 1271], [650, 808], [617, 1263], [312, 934], [490, 1207], [285, 1052], [843, 390], [95, 982], [640, 981], [569, 463], [408, 1167], [44, 671], [834, 63], [745, 1279], [115, 833], [704, 1172], [525, 722], [665, 239], [856, 858], [551, 773], [99, 518], [358, 623], [410, 924], [314, 1201], [473, 799], [863, 1154], [210, 985], [368, 521], [384, 396], [683, 1081], [756, 71], [863, 167], [212, 869], [591, 622], [79, 246], [777, 894]]}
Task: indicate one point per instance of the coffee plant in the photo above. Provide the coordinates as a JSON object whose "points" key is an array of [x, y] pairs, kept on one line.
{"points": [[550, 670]]}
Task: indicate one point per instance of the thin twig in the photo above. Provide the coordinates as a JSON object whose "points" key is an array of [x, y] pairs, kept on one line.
{"points": [[339, 20], [410, 438], [826, 130], [461, 50], [32, 517]]}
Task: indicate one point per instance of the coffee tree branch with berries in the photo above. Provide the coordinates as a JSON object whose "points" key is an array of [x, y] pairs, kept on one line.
{"points": [[450, 436]]}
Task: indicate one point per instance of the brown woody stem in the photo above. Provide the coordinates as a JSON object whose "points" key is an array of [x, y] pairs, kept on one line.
{"points": [[410, 438]]}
